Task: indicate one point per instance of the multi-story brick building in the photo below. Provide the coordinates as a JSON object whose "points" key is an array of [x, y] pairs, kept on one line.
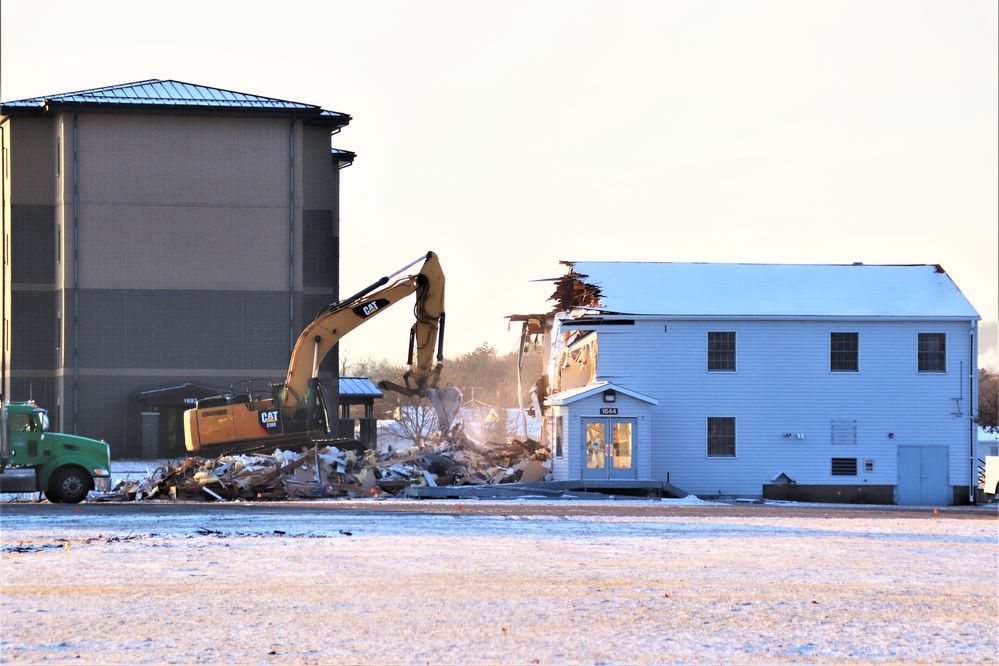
{"points": [[162, 240]]}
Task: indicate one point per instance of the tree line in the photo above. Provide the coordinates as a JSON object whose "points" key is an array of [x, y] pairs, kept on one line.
{"points": [[482, 375], [988, 400]]}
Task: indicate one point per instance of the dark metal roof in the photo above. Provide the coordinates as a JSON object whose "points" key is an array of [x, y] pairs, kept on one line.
{"points": [[170, 94], [344, 158]]}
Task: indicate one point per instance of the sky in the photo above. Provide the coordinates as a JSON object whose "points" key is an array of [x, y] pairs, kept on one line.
{"points": [[509, 136]]}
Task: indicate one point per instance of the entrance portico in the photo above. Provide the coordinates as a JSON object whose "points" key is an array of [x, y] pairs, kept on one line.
{"points": [[601, 433]]}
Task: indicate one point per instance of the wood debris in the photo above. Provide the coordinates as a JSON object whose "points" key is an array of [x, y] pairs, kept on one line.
{"points": [[441, 460], [572, 291]]}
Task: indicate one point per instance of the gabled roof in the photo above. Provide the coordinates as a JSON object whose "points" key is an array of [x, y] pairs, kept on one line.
{"points": [[771, 290], [158, 94], [574, 394]]}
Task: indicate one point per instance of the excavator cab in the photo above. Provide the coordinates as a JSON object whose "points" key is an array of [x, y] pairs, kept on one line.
{"points": [[246, 420]]}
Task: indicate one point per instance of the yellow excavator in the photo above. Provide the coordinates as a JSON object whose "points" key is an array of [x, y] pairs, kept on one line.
{"points": [[295, 412]]}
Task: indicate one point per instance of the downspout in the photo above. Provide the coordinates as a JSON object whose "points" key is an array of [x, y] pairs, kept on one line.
{"points": [[292, 337], [972, 411], [4, 390], [76, 274], [335, 407]]}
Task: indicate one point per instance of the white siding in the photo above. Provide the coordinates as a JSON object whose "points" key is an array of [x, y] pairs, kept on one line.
{"points": [[783, 385], [560, 464]]}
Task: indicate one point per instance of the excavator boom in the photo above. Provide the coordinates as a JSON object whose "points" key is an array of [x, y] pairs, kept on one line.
{"points": [[340, 318], [290, 414]]}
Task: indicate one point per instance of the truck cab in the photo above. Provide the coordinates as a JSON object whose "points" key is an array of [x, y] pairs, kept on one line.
{"points": [[32, 459]]}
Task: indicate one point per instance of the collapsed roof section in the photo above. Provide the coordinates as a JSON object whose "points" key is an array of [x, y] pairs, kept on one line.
{"points": [[571, 353], [572, 291]]}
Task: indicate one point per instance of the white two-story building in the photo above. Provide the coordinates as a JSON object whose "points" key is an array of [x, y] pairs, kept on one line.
{"points": [[842, 383]]}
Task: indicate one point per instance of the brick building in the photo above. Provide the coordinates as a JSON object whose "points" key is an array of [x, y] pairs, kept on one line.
{"points": [[160, 238]]}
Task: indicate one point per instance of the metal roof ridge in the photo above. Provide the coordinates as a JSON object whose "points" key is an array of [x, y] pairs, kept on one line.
{"points": [[170, 91], [242, 94]]}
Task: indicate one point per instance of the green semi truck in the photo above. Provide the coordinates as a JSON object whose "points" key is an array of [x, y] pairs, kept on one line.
{"points": [[63, 467]]}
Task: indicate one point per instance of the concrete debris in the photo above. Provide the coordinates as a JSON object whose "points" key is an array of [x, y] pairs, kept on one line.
{"points": [[331, 472]]}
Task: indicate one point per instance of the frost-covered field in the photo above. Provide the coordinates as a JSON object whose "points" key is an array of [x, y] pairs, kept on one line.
{"points": [[478, 589]]}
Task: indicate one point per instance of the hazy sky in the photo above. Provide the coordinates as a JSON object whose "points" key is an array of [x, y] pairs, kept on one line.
{"points": [[507, 136]]}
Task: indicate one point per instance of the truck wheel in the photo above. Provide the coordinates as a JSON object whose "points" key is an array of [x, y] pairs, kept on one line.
{"points": [[69, 485]]}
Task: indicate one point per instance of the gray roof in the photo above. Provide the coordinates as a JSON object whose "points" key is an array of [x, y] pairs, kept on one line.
{"points": [[775, 290], [173, 94], [358, 387]]}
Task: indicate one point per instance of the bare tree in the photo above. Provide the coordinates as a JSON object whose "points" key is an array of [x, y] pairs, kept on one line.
{"points": [[415, 420], [988, 400], [483, 375]]}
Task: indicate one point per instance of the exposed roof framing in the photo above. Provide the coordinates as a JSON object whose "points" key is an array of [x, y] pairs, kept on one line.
{"points": [[571, 291]]}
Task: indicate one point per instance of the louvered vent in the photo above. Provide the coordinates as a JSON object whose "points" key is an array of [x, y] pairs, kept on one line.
{"points": [[844, 467]]}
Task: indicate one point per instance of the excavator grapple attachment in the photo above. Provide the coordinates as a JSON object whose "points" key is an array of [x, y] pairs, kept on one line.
{"points": [[446, 402]]}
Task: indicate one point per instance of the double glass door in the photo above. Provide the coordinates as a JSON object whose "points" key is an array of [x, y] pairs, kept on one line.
{"points": [[609, 448]]}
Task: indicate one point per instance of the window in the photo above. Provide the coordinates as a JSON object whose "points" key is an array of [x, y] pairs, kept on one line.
{"points": [[721, 351], [932, 352], [844, 352], [844, 467], [58, 156], [721, 436], [558, 436], [19, 423]]}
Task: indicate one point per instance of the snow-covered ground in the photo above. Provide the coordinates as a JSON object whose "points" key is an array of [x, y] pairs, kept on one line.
{"points": [[252, 587]]}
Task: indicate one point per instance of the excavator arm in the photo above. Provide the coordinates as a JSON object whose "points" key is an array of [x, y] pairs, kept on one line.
{"points": [[338, 319], [247, 422]]}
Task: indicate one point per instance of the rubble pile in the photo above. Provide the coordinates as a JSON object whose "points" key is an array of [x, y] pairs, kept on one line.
{"points": [[333, 472]]}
